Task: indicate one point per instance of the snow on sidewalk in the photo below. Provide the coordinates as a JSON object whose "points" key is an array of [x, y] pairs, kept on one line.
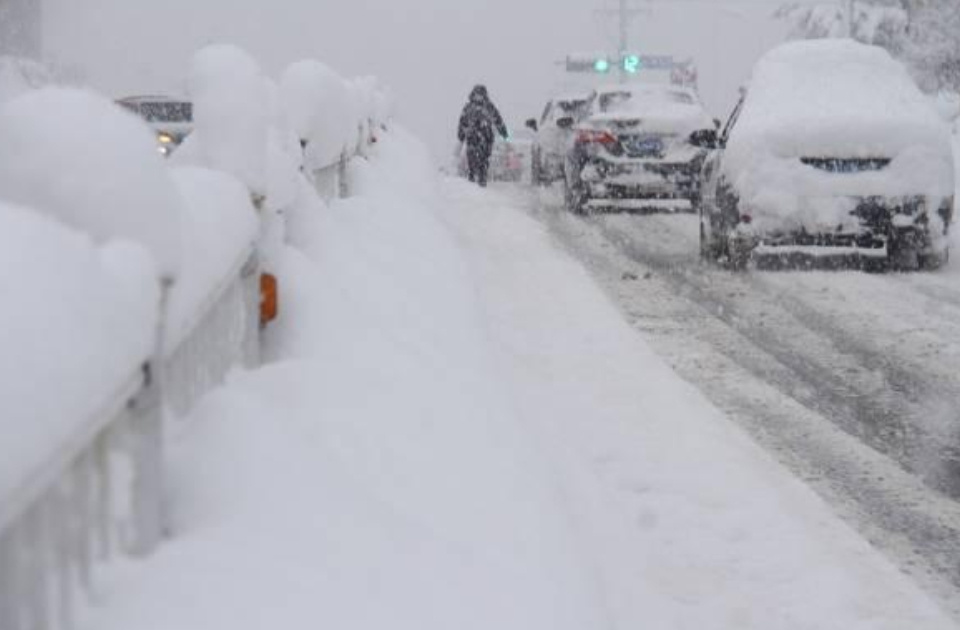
{"points": [[460, 430]]}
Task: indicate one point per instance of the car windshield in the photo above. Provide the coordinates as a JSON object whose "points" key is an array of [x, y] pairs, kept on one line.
{"points": [[571, 107], [567, 109], [165, 112], [629, 99]]}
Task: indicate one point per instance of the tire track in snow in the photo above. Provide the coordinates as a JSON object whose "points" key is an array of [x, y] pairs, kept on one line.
{"points": [[828, 370], [785, 395]]}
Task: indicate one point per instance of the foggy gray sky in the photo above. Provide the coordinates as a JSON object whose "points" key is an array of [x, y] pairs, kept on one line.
{"points": [[430, 52]]}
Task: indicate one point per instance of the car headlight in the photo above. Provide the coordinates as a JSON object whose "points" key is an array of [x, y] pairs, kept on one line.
{"points": [[165, 138]]}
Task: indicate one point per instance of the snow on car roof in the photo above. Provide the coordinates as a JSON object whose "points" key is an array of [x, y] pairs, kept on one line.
{"points": [[662, 108], [149, 98], [834, 98], [571, 98], [651, 90]]}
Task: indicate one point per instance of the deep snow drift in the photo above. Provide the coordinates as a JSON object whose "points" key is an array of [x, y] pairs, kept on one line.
{"points": [[459, 430]]}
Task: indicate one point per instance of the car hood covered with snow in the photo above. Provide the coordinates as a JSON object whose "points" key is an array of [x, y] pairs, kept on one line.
{"points": [[831, 119]]}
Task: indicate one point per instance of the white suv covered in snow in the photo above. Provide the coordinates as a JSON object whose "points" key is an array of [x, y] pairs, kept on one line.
{"points": [[832, 151]]}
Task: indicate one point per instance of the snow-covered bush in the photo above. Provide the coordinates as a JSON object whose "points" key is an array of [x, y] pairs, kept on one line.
{"points": [[79, 158], [878, 23], [924, 33], [934, 44]]}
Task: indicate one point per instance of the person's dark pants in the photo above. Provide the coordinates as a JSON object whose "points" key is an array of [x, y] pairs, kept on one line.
{"points": [[478, 162]]}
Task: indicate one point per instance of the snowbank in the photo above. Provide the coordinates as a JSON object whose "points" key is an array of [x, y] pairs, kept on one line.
{"points": [[458, 429], [219, 228], [834, 99], [231, 111], [318, 103], [79, 158], [373, 475], [78, 322]]}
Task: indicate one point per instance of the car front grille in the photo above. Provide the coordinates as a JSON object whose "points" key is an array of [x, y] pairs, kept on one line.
{"points": [[846, 165]]}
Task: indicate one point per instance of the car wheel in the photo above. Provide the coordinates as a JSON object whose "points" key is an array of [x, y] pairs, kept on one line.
{"points": [[711, 250], [536, 169], [931, 261], [871, 264], [576, 200], [738, 259], [696, 206], [705, 249], [904, 251]]}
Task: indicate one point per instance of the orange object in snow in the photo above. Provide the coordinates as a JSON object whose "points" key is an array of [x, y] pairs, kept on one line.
{"points": [[269, 298]]}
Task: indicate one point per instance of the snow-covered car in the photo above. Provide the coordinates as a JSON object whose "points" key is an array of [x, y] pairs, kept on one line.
{"points": [[170, 118], [510, 160], [832, 151], [640, 147], [554, 135]]}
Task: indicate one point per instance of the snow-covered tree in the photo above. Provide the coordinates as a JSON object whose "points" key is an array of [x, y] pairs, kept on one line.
{"points": [[879, 22], [933, 46], [924, 33]]}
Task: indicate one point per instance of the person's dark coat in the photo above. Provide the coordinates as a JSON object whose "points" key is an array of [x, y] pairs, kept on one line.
{"points": [[479, 124]]}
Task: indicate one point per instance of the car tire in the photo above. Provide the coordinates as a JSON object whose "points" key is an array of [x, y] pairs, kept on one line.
{"points": [[575, 200], [705, 248], [931, 261], [536, 169], [903, 252], [711, 251]]}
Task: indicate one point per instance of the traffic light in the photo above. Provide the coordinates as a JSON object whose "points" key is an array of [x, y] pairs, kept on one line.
{"points": [[631, 64], [598, 63]]}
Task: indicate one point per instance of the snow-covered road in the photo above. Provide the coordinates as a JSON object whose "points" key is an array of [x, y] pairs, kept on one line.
{"points": [[850, 379], [459, 428]]}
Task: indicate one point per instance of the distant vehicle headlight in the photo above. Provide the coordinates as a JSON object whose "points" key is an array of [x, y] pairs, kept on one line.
{"points": [[165, 138]]}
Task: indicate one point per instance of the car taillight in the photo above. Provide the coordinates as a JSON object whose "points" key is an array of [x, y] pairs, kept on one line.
{"points": [[589, 136]]}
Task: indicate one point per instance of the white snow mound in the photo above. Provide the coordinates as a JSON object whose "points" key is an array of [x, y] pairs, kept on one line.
{"points": [[76, 156], [78, 322]]}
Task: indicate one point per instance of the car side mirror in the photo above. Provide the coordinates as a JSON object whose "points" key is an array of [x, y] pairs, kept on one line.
{"points": [[705, 139], [565, 123], [531, 124]]}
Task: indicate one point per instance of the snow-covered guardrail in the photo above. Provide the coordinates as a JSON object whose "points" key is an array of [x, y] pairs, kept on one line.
{"points": [[147, 292]]}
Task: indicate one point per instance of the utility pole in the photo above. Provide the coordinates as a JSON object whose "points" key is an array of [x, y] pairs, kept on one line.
{"points": [[624, 14], [624, 37]]}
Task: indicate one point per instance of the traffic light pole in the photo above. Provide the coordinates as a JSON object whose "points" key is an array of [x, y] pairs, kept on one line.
{"points": [[624, 14], [624, 38]]}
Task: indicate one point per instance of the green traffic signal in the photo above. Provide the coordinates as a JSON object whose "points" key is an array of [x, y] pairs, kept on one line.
{"points": [[601, 65], [631, 64]]}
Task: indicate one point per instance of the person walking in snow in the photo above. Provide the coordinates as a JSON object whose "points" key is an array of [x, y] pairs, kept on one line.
{"points": [[478, 123]]}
